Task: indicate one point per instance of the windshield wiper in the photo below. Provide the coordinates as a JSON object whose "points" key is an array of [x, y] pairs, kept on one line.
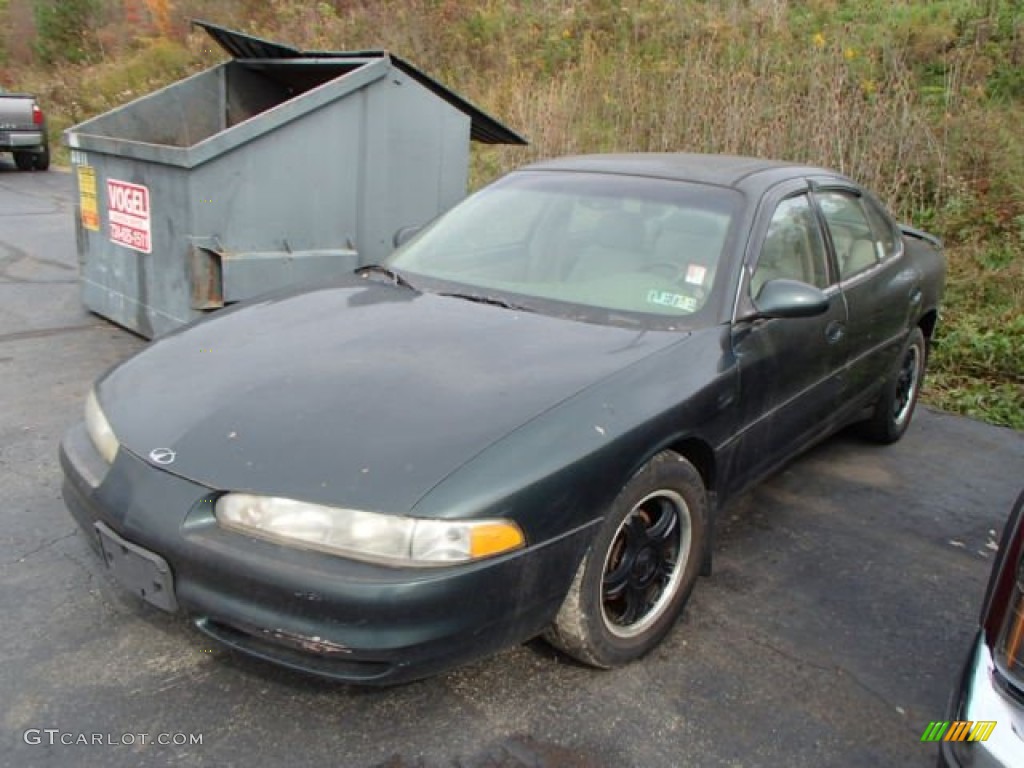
{"points": [[494, 301], [380, 269]]}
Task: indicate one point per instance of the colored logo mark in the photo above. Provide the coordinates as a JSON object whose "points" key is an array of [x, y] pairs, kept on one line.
{"points": [[959, 730]]}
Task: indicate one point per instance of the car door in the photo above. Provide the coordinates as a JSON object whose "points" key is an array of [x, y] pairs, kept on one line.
{"points": [[878, 286], [788, 368]]}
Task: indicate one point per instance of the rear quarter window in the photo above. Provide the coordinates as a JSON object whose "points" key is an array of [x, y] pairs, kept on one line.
{"points": [[883, 227]]}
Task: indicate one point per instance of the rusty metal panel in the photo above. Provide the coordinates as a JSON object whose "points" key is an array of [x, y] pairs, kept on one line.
{"points": [[207, 291]]}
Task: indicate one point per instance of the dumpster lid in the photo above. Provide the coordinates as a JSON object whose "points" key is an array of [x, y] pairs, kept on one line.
{"points": [[483, 128]]}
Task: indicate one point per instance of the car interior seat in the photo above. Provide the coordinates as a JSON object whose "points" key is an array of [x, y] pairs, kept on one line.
{"points": [[614, 245], [860, 256], [783, 255], [692, 241]]}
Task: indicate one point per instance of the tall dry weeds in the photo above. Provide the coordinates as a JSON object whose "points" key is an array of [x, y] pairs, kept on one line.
{"points": [[658, 76], [815, 114]]}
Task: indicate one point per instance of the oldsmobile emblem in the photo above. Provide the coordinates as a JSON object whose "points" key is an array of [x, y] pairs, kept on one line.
{"points": [[162, 455]]}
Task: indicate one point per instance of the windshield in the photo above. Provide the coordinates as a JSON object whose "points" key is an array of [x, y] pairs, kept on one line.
{"points": [[619, 243]]}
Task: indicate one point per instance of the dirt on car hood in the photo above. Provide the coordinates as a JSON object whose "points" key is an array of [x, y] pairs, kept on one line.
{"points": [[362, 394]]}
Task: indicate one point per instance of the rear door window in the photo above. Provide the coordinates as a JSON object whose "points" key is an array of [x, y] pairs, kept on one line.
{"points": [[857, 247]]}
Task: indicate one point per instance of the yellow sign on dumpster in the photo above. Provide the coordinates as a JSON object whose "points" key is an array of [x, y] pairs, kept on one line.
{"points": [[87, 197]]}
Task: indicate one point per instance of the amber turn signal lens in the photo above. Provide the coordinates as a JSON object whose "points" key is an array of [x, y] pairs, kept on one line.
{"points": [[493, 538]]}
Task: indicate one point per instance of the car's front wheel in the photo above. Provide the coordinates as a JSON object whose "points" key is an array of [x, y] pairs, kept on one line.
{"points": [[895, 406], [636, 577]]}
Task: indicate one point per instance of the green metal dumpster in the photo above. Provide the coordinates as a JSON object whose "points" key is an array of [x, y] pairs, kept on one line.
{"points": [[276, 167]]}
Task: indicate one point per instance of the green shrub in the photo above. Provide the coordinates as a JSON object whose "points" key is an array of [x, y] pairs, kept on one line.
{"points": [[65, 30]]}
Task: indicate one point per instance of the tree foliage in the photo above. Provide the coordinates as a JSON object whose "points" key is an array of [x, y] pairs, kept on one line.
{"points": [[66, 30], [4, 11]]}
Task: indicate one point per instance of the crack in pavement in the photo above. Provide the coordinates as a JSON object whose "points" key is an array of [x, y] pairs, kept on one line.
{"points": [[45, 545], [43, 259], [42, 333], [25, 214], [89, 574], [832, 669], [8, 280], [15, 255], [59, 202]]}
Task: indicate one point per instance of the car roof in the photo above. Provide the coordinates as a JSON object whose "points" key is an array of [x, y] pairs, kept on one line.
{"points": [[749, 174]]}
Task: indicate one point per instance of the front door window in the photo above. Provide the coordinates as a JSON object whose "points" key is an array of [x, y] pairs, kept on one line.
{"points": [[793, 247]]}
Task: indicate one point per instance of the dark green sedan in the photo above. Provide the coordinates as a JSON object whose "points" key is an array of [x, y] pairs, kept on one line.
{"points": [[524, 423]]}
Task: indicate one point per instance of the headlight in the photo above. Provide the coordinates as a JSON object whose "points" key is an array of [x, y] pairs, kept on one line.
{"points": [[390, 539], [99, 429]]}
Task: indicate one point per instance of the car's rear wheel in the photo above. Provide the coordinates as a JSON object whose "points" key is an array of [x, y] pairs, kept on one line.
{"points": [[640, 569], [895, 406], [24, 161]]}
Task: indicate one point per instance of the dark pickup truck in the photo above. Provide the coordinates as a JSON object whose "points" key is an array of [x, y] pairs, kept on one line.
{"points": [[23, 131]]}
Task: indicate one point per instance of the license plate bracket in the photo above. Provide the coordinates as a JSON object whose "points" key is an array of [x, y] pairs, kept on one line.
{"points": [[138, 570]]}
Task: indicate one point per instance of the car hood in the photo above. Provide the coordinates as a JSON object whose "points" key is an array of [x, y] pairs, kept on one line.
{"points": [[361, 394]]}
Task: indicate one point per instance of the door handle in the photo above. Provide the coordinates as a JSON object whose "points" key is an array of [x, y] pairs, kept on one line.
{"points": [[835, 331]]}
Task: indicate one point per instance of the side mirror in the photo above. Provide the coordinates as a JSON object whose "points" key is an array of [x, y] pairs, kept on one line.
{"points": [[790, 298], [403, 235]]}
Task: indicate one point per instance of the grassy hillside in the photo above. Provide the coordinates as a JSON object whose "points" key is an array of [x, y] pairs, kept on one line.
{"points": [[922, 101]]}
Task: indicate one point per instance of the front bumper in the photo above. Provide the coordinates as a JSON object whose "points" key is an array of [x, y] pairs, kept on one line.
{"points": [[980, 698], [319, 613]]}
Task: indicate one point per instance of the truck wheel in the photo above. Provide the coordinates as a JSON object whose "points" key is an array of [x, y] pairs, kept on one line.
{"points": [[24, 161], [640, 569], [41, 161]]}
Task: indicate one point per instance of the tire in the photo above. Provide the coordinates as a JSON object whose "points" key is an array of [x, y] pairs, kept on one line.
{"points": [[41, 161], [606, 622], [895, 406], [23, 160]]}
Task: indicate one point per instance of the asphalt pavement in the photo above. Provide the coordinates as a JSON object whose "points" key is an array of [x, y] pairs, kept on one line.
{"points": [[844, 597]]}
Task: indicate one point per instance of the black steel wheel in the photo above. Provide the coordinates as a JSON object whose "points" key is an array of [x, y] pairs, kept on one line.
{"points": [[895, 406], [24, 160], [632, 585]]}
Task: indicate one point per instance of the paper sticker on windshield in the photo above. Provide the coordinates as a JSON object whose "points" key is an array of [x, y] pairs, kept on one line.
{"points": [[695, 274], [674, 300]]}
